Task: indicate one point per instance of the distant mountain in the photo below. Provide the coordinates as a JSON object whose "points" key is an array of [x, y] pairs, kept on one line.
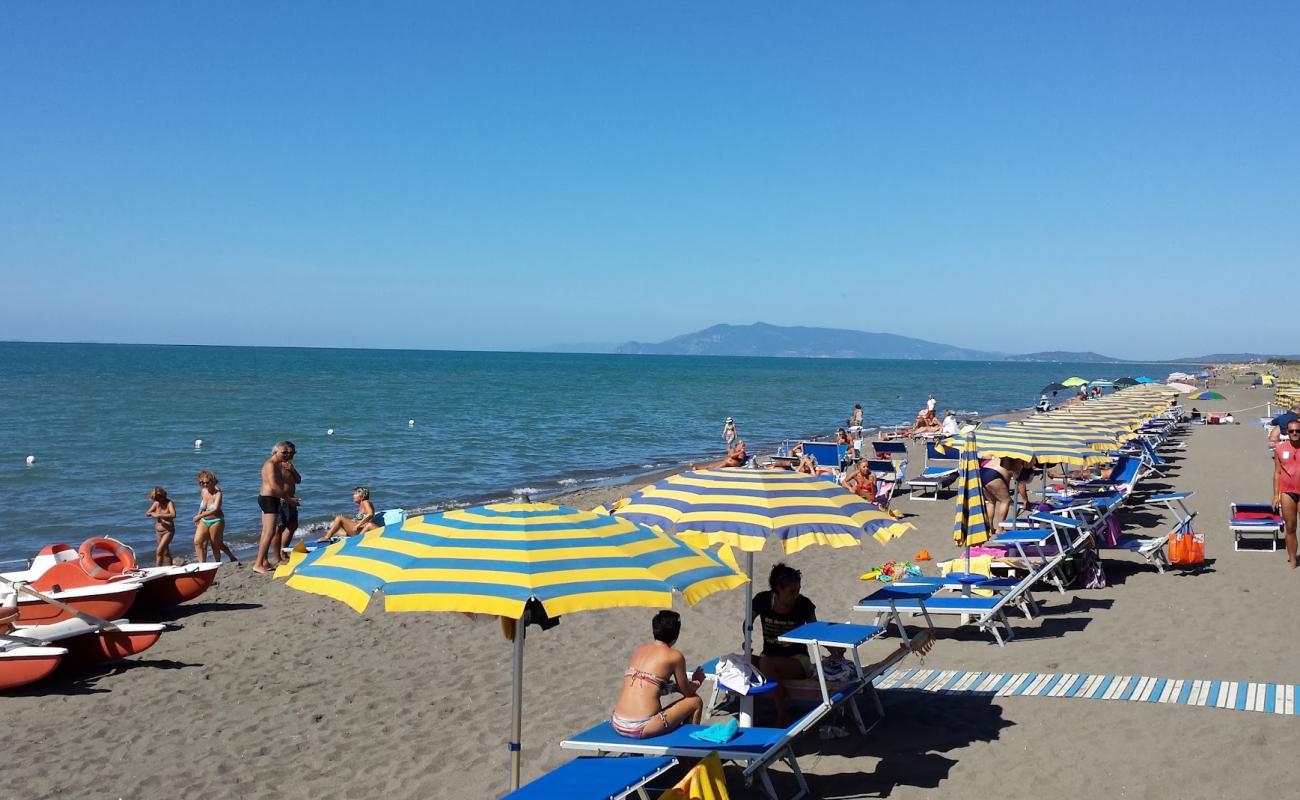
{"points": [[576, 347], [1223, 358], [1066, 355], [762, 339]]}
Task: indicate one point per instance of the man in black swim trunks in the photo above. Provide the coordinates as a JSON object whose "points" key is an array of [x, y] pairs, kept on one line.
{"points": [[287, 523], [269, 499]]}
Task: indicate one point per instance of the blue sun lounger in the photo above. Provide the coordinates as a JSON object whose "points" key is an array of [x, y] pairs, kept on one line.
{"points": [[934, 477], [588, 778], [756, 748], [985, 613]]}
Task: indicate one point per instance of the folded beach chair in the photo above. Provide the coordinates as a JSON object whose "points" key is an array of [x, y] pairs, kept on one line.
{"points": [[1251, 519], [940, 472], [888, 477], [590, 778]]}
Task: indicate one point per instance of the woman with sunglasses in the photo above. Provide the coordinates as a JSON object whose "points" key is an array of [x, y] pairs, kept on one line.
{"points": [[210, 523], [1286, 484]]}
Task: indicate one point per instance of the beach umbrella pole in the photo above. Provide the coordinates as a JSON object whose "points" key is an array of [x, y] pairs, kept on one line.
{"points": [[517, 704], [747, 701]]}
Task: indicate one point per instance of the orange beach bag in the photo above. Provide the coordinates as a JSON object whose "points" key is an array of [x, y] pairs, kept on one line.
{"points": [[1186, 548]]}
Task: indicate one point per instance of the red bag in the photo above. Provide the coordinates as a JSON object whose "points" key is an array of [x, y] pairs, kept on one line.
{"points": [[1186, 548]]}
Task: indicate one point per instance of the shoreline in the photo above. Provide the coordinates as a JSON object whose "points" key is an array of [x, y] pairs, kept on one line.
{"points": [[620, 479]]}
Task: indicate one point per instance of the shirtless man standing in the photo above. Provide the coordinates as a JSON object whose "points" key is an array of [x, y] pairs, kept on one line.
{"points": [[275, 488], [288, 520]]}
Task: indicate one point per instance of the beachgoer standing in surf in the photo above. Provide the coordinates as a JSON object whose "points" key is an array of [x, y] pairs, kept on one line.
{"points": [[270, 497]]}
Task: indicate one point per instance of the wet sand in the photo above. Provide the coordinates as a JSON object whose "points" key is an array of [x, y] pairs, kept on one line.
{"points": [[265, 691]]}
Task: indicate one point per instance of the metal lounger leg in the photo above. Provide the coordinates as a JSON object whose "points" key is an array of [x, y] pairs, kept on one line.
{"points": [[798, 773]]}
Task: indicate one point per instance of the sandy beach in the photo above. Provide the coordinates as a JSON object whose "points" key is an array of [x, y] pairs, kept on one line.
{"points": [[264, 691]]}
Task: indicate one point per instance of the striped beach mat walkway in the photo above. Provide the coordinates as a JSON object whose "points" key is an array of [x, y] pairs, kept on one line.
{"points": [[1270, 698]]}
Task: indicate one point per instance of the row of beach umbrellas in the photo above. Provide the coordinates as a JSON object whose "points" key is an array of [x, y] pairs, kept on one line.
{"points": [[529, 563], [532, 562]]}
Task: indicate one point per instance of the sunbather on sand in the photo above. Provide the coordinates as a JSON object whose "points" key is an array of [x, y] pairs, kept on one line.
{"points": [[653, 666], [736, 457], [360, 522]]}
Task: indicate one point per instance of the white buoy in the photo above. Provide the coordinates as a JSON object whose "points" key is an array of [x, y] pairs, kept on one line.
{"points": [[31, 460], [198, 443], [410, 423], [329, 431]]}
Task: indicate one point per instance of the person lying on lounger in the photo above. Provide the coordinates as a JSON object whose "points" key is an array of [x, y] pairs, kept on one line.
{"points": [[653, 666]]}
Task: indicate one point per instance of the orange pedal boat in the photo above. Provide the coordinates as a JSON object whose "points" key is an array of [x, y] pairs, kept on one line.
{"points": [[87, 643], [100, 562], [24, 664]]}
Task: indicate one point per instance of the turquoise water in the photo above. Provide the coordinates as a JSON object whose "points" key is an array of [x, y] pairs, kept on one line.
{"points": [[108, 422]]}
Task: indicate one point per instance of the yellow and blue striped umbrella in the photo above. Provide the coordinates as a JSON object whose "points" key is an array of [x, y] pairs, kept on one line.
{"points": [[494, 559], [745, 508], [969, 525], [503, 559], [1027, 445]]}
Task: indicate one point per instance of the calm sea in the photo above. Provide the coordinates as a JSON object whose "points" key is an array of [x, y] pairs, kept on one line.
{"points": [[108, 422]]}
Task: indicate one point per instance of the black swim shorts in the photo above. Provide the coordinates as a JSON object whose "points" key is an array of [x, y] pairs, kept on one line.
{"points": [[288, 516], [268, 504]]}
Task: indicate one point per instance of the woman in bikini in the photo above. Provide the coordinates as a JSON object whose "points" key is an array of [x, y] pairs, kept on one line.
{"points": [[210, 523], [861, 481], [360, 522], [638, 713], [1286, 485], [996, 478], [163, 511]]}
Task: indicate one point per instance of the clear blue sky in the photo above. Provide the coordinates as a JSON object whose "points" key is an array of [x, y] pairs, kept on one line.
{"points": [[1115, 176]]}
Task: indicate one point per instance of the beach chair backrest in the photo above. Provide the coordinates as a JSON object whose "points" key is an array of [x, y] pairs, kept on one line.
{"points": [[883, 469], [937, 452], [888, 449], [827, 454], [392, 516]]}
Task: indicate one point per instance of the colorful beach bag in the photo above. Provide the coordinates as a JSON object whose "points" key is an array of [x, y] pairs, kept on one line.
{"points": [[1186, 548]]}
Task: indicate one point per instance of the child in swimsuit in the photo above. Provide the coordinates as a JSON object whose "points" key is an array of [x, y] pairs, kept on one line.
{"points": [[638, 713], [163, 511]]}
